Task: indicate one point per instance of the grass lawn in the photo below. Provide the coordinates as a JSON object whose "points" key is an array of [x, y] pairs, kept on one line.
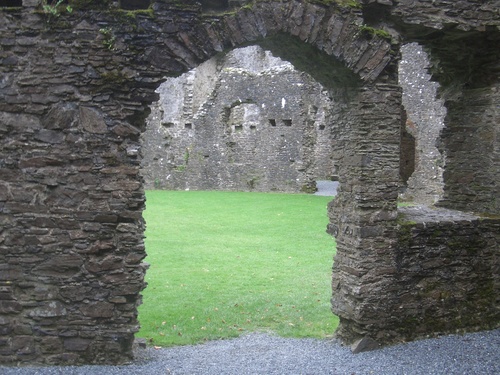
{"points": [[226, 263]]}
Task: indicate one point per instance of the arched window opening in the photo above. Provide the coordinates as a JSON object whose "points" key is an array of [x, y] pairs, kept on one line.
{"points": [[422, 163]]}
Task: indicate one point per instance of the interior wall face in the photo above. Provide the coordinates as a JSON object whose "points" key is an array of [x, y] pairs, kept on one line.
{"points": [[245, 121], [75, 92], [470, 141], [425, 119]]}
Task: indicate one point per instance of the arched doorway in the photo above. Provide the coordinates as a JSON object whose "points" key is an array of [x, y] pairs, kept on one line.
{"points": [[71, 162], [271, 90]]}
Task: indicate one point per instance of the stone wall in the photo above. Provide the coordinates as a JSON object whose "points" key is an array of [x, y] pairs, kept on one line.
{"points": [[447, 266], [245, 121], [464, 61], [75, 91], [75, 94], [70, 203], [471, 143]]}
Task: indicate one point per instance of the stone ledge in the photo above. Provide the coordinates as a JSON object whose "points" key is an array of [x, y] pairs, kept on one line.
{"points": [[422, 214]]}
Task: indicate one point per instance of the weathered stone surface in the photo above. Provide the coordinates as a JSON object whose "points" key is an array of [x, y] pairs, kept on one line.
{"points": [[248, 121], [98, 310], [51, 345], [76, 344], [50, 136], [52, 309], [363, 345], [447, 268], [64, 265], [9, 307], [92, 121]]}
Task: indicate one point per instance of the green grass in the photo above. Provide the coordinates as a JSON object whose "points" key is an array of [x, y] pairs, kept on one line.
{"points": [[227, 263]]}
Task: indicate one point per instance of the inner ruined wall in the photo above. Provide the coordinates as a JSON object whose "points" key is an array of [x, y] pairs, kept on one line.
{"points": [[244, 121], [447, 258], [424, 121], [461, 41], [470, 138]]}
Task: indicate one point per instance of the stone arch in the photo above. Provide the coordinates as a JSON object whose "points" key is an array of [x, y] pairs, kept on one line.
{"points": [[76, 90]]}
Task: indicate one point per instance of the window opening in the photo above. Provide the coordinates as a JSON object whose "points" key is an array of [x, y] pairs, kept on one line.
{"points": [[188, 125], [422, 121], [287, 122], [272, 122]]}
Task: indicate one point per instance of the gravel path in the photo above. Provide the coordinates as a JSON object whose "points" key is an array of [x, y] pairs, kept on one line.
{"points": [[258, 353]]}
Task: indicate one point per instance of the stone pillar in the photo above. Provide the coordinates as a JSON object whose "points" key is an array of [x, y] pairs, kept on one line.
{"points": [[364, 212]]}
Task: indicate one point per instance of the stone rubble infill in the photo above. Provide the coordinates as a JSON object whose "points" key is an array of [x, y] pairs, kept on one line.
{"points": [[425, 214]]}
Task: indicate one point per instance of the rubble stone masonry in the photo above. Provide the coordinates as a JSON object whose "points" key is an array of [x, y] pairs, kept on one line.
{"points": [[75, 90]]}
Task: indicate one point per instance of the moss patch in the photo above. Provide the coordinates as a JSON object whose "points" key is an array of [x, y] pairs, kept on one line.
{"points": [[371, 31]]}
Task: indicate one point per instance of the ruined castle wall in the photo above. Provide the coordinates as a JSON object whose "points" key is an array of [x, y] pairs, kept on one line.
{"points": [[75, 91], [245, 121], [447, 265]]}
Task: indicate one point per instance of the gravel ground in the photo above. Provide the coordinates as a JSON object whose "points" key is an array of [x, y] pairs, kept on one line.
{"points": [[259, 353]]}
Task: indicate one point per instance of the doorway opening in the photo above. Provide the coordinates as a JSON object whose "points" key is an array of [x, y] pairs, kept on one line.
{"points": [[258, 125]]}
